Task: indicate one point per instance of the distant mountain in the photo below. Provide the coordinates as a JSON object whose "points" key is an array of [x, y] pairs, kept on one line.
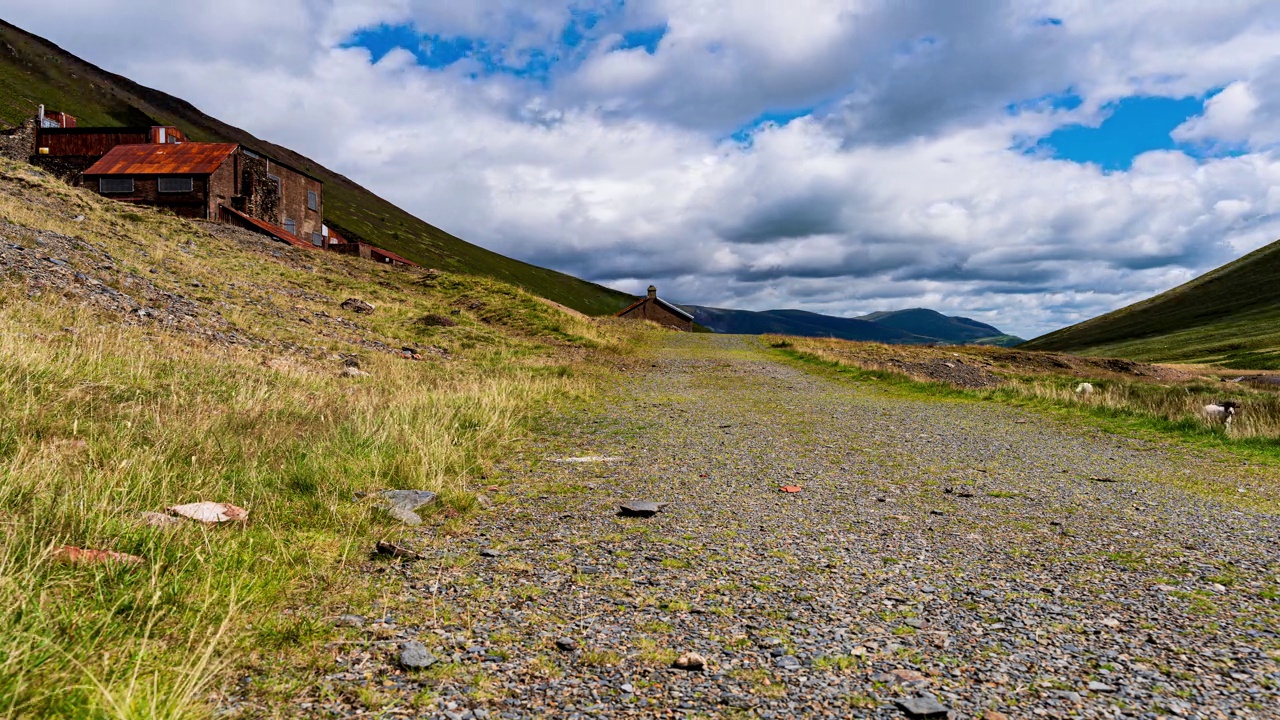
{"points": [[1229, 316], [933, 324], [897, 330]]}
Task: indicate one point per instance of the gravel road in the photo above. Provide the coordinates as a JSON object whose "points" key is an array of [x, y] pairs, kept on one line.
{"points": [[940, 556]]}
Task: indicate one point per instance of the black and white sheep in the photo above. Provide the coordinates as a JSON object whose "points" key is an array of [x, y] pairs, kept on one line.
{"points": [[1223, 411]]}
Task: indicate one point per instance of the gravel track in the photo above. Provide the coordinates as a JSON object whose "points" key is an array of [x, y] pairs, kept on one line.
{"points": [[956, 550]]}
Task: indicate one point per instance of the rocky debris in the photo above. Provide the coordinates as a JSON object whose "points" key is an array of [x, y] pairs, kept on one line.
{"points": [[1100, 479], [491, 553], [790, 488], [415, 656], [387, 549], [72, 555], [924, 707], [690, 661], [589, 459], [355, 621], [210, 513], [357, 306], [410, 353], [403, 504], [566, 644], [640, 508], [353, 372]]}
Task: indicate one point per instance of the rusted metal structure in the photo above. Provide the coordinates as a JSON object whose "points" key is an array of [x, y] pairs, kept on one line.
{"points": [[97, 141], [196, 179], [655, 309], [190, 179]]}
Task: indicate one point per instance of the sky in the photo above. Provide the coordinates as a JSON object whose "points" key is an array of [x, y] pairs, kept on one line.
{"points": [[1030, 164]]}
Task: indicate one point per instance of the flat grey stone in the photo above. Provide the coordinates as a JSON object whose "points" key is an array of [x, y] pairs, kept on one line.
{"points": [[590, 570], [1095, 686], [408, 517], [414, 656], [924, 706], [349, 621], [491, 553], [787, 662], [567, 644], [640, 508], [408, 499], [401, 504]]}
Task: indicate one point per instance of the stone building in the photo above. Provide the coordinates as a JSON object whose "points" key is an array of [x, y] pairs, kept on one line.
{"points": [[655, 309]]}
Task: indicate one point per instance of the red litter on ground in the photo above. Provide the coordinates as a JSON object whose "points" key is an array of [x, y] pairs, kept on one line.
{"points": [[790, 488]]}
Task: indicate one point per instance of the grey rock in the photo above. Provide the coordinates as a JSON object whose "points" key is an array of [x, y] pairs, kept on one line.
{"points": [[640, 508], [491, 553], [1095, 686], [414, 656], [358, 306], [567, 644], [350, 621], [787, 662], [589, 570], [401, 504], [925, 706]]}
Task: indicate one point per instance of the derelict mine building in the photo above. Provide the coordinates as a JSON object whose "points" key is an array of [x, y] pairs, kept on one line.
{"points": [[197, 180]]}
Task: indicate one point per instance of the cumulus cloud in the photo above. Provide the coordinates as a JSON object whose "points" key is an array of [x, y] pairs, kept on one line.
{"points": [[901, 183]]}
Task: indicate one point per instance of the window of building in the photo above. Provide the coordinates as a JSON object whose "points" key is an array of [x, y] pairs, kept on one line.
{"points": [[115, 185], [317, 239], [313, 200], [291, 226], [176, 185]]}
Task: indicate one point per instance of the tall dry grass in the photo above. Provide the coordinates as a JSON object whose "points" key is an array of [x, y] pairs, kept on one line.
{"points": [[99, 424]]}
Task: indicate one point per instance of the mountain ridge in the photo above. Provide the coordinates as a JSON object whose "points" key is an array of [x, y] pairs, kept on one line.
{"points": [[914, 326]]}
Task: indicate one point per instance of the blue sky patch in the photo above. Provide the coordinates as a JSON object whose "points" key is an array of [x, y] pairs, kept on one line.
{"points": [[647, 38], [770, 117], [1134, 125]]}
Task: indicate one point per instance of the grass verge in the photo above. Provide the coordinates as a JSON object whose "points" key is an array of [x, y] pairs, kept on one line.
{"points": [[1152, 411]]}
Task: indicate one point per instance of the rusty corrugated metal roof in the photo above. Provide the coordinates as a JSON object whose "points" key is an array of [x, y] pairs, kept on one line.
{"points": [[183, 159], [275, 231]]}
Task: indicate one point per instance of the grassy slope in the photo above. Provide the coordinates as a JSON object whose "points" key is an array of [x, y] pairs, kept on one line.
{"points": [[33, 71], [104, 416], [1229, 316]]}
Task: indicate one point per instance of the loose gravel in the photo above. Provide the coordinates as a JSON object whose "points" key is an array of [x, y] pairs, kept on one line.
{"points": [[939, 554]]}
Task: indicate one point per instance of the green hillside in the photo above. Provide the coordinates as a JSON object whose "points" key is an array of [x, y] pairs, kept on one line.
{"points": [[35, 71], [1229, 316]]}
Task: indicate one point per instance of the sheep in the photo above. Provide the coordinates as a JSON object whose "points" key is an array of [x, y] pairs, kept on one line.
{"points": [[1222, 411], [1084, 389]]}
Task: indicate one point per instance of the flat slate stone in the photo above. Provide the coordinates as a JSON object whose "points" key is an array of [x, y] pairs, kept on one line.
{"points": [[401, 504], [922, 707], [408, 499], [414, 656], [640, 508]]}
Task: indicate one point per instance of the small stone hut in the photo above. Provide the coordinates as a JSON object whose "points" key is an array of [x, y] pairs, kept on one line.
{"points": [[655, 309]]}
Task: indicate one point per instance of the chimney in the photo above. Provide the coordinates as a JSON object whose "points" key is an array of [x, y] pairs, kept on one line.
{"points": [[653, 292]]}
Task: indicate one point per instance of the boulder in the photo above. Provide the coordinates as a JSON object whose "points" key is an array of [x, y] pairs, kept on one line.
{"points": [[358, 306]]}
